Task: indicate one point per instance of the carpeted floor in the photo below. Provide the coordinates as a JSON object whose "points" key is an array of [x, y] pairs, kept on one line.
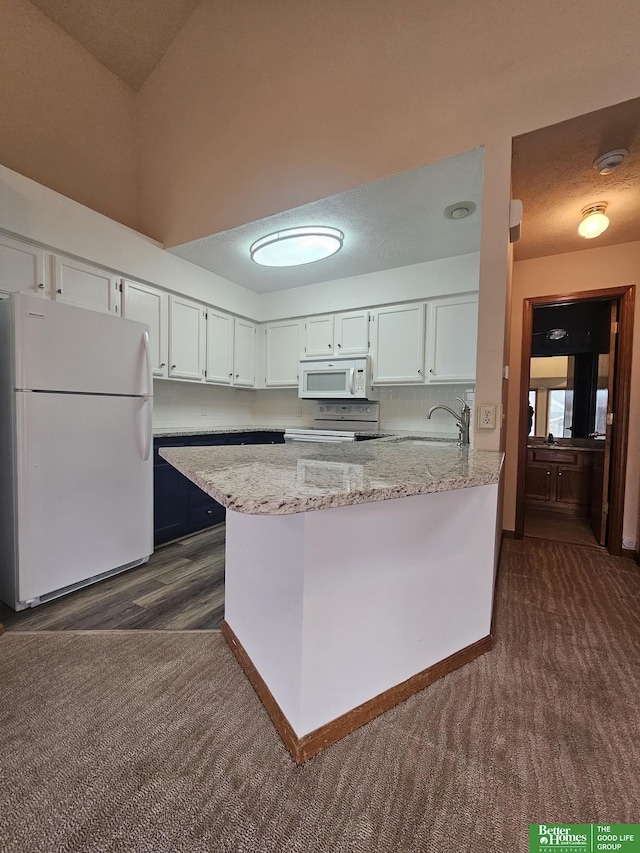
{"points": [[155, 743]]}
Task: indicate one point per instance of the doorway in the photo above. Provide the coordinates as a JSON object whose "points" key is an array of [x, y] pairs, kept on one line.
{"points": [[572, 447]]}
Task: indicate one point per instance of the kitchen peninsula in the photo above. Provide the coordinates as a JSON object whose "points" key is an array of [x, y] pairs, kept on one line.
{"points": [[356, 573]]}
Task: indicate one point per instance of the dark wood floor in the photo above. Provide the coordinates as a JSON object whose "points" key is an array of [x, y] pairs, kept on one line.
{"points": [[180, 588], [559, 527]]}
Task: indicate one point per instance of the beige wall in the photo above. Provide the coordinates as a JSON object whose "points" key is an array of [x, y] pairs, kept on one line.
{"points": [[258, 107], [65, 120], [611, 266]]}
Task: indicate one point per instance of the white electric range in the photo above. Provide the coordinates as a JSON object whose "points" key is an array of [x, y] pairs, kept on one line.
{"points": [[339, 421]]}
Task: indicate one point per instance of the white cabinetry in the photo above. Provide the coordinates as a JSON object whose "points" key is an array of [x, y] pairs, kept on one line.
{"points": [[351, 333], [219, 368], [187, 339], [22, 267], [318, 336], [282, 353], [244, 353], [397, 342], [149, 305], [452, 338], [85, 286]]}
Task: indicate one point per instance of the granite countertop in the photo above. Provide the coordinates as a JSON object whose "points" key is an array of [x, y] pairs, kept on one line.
{"points": [[300, 477], [176, 432], [389, 434]]}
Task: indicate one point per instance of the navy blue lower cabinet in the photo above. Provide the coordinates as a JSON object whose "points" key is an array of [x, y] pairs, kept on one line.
{"points": [[170, 488], [203, 511], [179, 506]]}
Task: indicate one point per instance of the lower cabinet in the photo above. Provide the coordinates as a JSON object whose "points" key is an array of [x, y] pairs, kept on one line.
{"points": [[558, 479], [179, 506]]}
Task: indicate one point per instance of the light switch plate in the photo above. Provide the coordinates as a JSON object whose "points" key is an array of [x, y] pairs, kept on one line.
{"points": [[486, 417]]}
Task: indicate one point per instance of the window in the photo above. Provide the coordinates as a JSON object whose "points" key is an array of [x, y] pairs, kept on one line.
{"points": [[555, 417]]}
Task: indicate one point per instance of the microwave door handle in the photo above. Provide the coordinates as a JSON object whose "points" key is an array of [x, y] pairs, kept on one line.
{"points": [[353, 380]]}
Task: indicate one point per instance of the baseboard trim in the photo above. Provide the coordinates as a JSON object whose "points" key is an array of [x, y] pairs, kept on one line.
{"points": [[509, 534], [304, 748]]}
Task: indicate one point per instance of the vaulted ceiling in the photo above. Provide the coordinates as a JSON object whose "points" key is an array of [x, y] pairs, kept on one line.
{"points": [[392, 224], [130, 37]]}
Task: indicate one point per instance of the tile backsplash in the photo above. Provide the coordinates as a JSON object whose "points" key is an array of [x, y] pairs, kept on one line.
{"points": [[181, 404]]}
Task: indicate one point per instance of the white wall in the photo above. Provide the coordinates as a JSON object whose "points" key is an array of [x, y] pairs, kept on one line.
{"points": [[419, 281], [27, 209]]}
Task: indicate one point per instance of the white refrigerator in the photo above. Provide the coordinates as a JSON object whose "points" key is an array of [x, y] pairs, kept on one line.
{"points": [[76, 468]]}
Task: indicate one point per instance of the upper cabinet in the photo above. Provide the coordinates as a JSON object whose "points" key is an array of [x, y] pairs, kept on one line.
{"points": [[149, 305], [351, 333], [219, 367], [22, 267], [397, 344], [187, 339], [244, 352], [282, 353], [452, 337], [318, 336], [85, 286], [344, 334]]}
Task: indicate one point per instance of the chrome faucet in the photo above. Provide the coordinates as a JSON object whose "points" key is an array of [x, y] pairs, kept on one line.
{"points": [[463, 419]]}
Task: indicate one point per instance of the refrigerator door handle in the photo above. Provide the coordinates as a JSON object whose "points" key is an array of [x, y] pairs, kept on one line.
{"points": [[149, 437], [147, 353]]}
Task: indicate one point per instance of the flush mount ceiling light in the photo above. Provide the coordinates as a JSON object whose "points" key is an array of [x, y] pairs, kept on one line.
{"points": [[594, 222], [609, 162], [557, 334], [295, 246], [460, 210]]}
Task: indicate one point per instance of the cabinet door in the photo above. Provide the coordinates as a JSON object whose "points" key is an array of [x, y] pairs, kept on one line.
{"points": [[170, 491], [22, 268], [318, 336], [187, 333], [148, 305], [398, 344], [352, 333], [244, 348], [452, 338], [85, 286], [282, 353], [538, 480], [572, 487], [219, 367]]}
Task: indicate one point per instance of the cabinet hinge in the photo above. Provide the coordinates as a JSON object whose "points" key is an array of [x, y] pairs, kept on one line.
{"points": [[120, 286], [609, 418]]}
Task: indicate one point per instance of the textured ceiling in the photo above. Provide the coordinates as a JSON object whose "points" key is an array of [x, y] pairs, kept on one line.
{"points": [[553, 175], [390, 223], [130, 37]]}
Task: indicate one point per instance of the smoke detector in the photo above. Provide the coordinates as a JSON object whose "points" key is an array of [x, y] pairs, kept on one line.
{"points": [[609, 162]]}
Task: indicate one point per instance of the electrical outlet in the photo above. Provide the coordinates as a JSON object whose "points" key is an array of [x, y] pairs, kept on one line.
{"points": [[203, 410], [486, 417], [298, 411]]}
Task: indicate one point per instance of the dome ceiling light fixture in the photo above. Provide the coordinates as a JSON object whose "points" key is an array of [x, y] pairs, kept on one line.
{"points": [[557, 334], [460, 210], [594, 222], [609, 162], [293, 247]]}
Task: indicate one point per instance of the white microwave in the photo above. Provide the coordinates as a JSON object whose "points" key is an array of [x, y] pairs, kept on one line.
{"points": [[335, 379]]}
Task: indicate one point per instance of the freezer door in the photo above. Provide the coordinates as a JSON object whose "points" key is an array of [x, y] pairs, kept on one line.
{"points": [[60, 347], [84, 488]]}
